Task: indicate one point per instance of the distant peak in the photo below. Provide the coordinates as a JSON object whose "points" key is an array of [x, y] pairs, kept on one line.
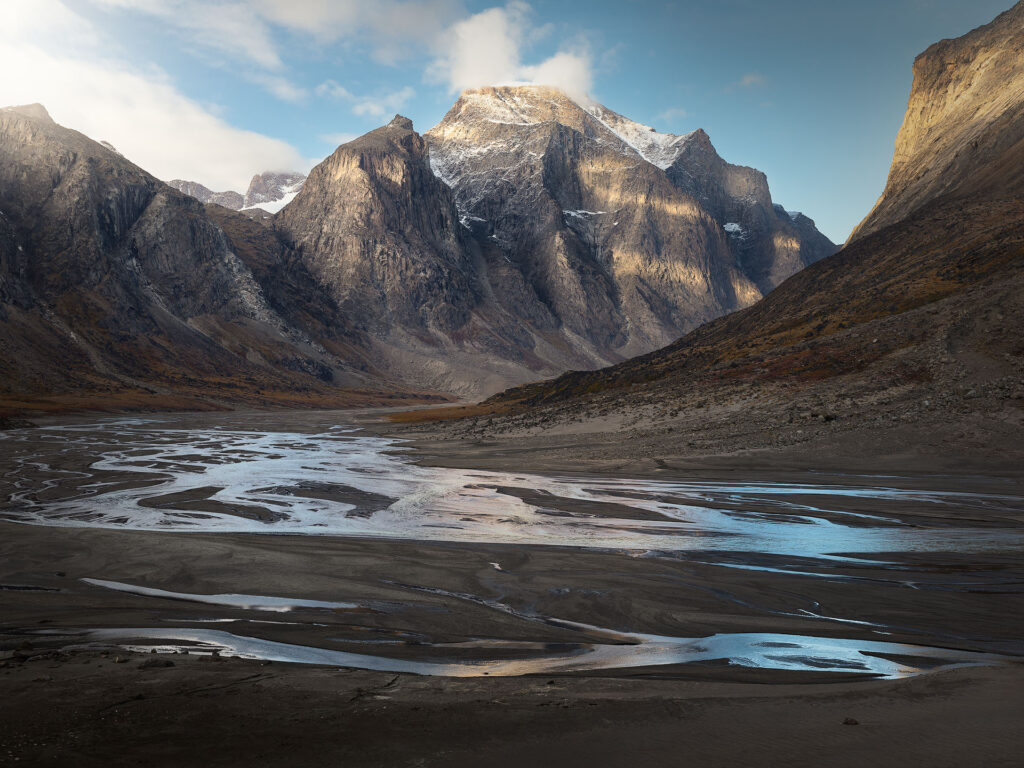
{"points": [[400, 121], [33, 111]]}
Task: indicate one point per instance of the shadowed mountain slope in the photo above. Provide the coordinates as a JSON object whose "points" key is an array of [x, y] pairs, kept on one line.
{"points": [[114, 286]]}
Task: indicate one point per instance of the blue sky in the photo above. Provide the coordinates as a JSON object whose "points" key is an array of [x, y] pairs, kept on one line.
{"points": [[812, 93]]}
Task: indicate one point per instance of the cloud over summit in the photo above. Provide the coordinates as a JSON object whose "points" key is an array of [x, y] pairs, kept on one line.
{"points": [[488, 48]]}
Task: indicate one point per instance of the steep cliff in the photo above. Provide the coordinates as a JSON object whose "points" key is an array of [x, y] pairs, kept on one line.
{"points": [[963, 134]]}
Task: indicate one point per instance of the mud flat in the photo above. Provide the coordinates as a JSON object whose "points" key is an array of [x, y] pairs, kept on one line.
{"points": [[390, 613]]}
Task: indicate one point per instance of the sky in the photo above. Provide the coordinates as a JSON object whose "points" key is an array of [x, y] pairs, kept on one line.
{"points": [[812, 92]]}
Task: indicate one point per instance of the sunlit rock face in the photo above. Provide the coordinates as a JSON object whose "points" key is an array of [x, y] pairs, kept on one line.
{"points": [[963, 133], [769, 242], [528, 234], [629, 236], [382, 233]]}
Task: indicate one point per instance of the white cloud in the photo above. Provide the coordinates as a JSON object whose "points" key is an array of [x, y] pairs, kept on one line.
{"points": [[487, 49], [334, 90], [376, 106], [244, 30], [280, 87], [67, 65], [384, 105], [569, 71], [233, 28], [389, 26]]}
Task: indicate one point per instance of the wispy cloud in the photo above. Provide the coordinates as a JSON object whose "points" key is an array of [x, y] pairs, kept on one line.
{"points": [[748, 81], [375, 105], [672, 114], [337, 139], [281, 87], [486, 48]]}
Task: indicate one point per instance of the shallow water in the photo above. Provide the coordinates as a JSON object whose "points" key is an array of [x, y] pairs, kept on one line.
{"points": [[250, 602], [153, 475], [754, 650], [247, 476]]}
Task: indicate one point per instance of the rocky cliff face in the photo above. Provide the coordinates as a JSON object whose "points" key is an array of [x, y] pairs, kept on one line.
{"points": [[111, 281], [380, 231], [273, 191], [525, 235], [769, 243], [963, 133], [521, 236], [620, 195]]}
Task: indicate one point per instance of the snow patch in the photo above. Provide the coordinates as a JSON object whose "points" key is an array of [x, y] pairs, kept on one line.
{"points": [[660, 149], [274, 205]]}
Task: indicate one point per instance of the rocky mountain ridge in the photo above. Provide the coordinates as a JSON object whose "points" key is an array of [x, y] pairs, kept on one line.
{"points": [[116, 288], [489, 250], [482, 254]]}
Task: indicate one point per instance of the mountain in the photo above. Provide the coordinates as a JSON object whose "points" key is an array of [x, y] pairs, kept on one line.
{"points": [[116, 289], [273, 191], [381, 233], [912, 329], [268, 191], [630, 236], [523, 236], [964, 129]]}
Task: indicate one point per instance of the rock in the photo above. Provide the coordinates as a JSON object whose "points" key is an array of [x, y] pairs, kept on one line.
{"points": [[850, 721]]}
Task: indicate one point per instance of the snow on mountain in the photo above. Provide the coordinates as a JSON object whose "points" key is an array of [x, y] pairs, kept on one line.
{"points": [[660, 149], [268, 191], [273, 191]]}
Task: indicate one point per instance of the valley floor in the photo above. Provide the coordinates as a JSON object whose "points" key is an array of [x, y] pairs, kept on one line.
{"points": [[64, 704]]}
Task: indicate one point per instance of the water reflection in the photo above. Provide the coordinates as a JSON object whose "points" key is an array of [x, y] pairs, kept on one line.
{"points": [[801, 653], [150, 475]]}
